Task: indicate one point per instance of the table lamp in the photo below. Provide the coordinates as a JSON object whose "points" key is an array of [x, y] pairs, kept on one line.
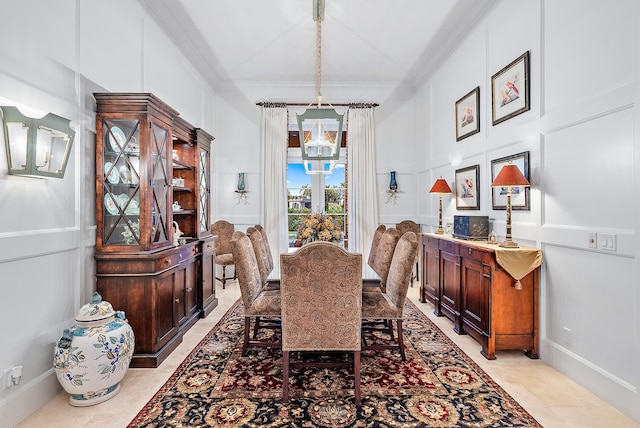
{"points": [[441, 187], [509, 176]]}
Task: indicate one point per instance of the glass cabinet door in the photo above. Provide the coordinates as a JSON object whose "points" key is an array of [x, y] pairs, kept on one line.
{"points": [[203, 195], [121, 182], [159, 184], [135, 184]]}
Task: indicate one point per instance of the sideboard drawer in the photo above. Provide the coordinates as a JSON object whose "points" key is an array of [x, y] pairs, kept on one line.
{"points": [[476, 254], [449, 247], [431, 242]]}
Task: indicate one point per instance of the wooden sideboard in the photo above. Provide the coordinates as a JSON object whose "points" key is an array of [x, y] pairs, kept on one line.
{"points": [[465, 283]]}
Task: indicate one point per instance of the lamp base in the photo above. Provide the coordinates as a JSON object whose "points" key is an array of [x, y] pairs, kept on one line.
{"points": [[439, 231], [509, 244]]}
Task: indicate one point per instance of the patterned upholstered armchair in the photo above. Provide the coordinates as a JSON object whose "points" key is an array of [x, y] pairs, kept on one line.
{"points": [[389, 305], [258, 303], [410, 226], [224, 256], [321, 287]]}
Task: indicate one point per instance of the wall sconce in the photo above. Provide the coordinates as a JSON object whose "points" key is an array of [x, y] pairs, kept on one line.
{"points": [[392, 192], [36, 147], [509, 176], [441, 187], [241, 189]]}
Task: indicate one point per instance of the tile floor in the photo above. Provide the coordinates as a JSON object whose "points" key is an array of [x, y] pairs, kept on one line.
{"points": [[553, 399]]}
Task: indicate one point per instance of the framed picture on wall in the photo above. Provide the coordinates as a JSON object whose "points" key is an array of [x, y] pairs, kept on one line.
{"points": [[467, 189], [519, 195], [468, 114], [510, 90]]}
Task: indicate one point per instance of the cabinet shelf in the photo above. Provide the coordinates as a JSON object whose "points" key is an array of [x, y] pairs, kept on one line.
{"points": [[180, 165], [184, 212], [182, 189]]}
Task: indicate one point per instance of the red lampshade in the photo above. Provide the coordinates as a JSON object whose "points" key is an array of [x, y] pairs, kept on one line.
{"points": [[440, 186], [510, 175]]}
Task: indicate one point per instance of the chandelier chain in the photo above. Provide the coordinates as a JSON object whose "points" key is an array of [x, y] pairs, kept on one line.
{"points": [[319, 66]]}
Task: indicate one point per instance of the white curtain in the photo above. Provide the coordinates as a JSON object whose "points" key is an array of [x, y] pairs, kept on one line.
{"points": [[275, 130], [361, 183]]}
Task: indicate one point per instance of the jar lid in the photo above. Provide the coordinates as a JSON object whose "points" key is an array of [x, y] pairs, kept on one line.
{"points": [[96, 310]]}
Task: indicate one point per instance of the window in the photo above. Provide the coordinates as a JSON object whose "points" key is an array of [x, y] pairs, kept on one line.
{"points": [[308, 194]]}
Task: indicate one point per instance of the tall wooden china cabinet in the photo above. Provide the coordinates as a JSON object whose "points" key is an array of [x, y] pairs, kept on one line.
{"points": [[152, 179]]}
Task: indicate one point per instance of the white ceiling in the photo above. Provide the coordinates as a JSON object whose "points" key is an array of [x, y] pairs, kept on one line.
{"points": [[266, 50]]}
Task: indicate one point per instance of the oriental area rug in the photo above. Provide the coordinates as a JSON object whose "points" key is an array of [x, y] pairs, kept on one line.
{"points": [[437, 386]]}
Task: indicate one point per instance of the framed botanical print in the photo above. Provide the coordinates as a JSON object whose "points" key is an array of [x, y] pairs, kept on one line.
{"points": [[519, 195], [467, 189], [510, 90], [468, 114]]}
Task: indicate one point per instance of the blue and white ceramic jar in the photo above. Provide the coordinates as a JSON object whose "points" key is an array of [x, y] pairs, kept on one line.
{"points": [[92, 357]]}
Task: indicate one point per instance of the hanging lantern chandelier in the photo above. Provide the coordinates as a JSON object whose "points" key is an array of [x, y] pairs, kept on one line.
{"points": [[320, 127]]}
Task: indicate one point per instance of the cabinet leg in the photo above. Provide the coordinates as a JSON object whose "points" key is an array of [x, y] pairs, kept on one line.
{"points": [[531, 354]]}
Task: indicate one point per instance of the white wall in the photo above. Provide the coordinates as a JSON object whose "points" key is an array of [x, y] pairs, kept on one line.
{"points": [[54, 56], [580, 132]]}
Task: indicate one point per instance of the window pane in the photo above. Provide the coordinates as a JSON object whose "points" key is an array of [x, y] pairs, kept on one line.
{"points": [[331, 197], [335, 193], [299, 197]]}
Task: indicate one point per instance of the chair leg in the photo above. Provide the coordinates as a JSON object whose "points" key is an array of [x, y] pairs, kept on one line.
{"points": [[285, 376], [247, 327], [256, 326], [356, 376], [224, 278], [389, 324], [414, 277], [400, 340]]}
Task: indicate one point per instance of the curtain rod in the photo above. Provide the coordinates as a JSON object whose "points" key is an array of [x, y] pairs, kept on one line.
{"points": [[352, 105]]}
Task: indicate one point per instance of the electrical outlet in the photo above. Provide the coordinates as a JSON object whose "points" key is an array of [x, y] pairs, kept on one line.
{"points": [[11, 376], [567, 336], [607, 242], [592, 240]]}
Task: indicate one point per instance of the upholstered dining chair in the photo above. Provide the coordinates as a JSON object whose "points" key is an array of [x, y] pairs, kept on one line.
{"points": [[374, 244], [258, 303], [382, 260], [265, 251], [265, 239], [410, 226], [265, 266], [224, 255], [321, 286], [389, 305]]}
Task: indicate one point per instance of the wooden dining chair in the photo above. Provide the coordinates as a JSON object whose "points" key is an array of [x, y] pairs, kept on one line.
{"points": [[389, 305], [321, 286], [224, 255], [258, 303]]}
